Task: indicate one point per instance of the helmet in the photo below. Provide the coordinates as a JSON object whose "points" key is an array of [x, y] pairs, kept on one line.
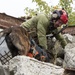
{"points": [[60, 14], [64, 17]]}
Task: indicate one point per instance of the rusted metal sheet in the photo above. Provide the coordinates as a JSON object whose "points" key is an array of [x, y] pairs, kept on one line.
{"points": [[70, 30], [7, 21]]}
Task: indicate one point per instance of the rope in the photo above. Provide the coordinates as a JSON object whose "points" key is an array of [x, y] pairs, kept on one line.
{"points": [[2, 41], [1, 37]]}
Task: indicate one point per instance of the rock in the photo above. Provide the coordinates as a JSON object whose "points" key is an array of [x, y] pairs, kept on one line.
{"points": [[68, 37], [69, 60], [73, 39], [23, 65], [59, 62], [3, 70]]}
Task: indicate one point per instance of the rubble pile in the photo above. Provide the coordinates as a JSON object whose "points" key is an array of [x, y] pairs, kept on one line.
{"points": [[23, 65], [69, 60]]}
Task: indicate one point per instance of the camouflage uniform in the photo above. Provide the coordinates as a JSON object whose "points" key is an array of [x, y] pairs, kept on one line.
{"points": [[41, 24]]}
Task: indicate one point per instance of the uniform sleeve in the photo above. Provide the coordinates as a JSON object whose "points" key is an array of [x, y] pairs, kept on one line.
{"points": [[27, 23], [62, 40], [41, 31]]}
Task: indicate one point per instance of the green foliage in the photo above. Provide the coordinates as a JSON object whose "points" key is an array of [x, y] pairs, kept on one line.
{"points": [[66, 4], [30, 12], [72, 19], [41, 6]]}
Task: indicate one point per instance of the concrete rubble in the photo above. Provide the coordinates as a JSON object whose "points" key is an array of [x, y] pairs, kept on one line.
{"points": [[23, 65], [69, 60]]}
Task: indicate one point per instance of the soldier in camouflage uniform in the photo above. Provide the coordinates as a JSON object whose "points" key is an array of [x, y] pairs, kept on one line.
{"points": [[44, 24]]}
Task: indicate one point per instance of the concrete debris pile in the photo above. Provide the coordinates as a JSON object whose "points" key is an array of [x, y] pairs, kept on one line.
{"points": [[69, 60], [23, 65], [69, 52], [68, 37], [4, 70]]}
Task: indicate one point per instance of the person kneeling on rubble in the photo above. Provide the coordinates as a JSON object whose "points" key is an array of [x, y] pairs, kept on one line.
{"points": [[44, 24]]}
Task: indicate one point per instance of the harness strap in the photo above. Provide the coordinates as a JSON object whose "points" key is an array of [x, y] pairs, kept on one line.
{"points": [[2, 41]]}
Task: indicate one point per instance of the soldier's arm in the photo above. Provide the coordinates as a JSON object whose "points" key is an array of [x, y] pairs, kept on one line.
{"points": [[61, 39], [41, 30]]}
